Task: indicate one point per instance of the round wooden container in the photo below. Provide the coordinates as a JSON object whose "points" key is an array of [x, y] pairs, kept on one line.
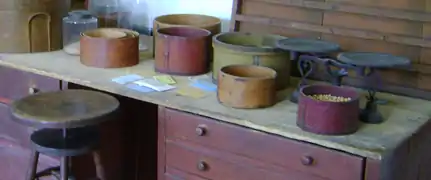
{"points": [[209, 23], [109, 48], [182, 51], [251, 49], [325, 117], [246, 86]]}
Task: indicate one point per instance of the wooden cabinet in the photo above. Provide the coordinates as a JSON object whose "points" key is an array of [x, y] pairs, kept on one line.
{"points": [[173, 174], [15, 84], [14, 149], [207, 148], [128, 144], [14, 138]]}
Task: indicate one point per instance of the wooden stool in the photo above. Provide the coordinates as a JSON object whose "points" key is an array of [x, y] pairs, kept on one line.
{"points": [[67, 121]]}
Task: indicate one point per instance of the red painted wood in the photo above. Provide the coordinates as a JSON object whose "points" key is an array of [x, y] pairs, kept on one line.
{"points": [[324, 117], [5, 100], [15, 84], [128, 143], [143, 120], [261, 146], [14, 161], [372, 169], [174, 174], [219, 165], [14, 138], [12, 131], [161, 156], [409, 160], [15, 149]]}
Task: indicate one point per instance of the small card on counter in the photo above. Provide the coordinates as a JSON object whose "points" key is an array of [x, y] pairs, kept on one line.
{"points": [[165, 79], [191, 92], [154, 84], [139, 88], [127, 79], [204, 84]]}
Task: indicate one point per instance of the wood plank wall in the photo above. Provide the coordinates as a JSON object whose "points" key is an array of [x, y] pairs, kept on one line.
{"points": [[399, 27], [77, 4]]}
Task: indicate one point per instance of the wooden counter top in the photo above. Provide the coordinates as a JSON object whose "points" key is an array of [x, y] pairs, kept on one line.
{"points": [[404, 115]]}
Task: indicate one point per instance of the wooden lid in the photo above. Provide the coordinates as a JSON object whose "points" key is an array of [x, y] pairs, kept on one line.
{"points": [[99, 50], [109, 33], [249, 72], [196, 20], [246, 86], [248, 42], [64, 109]]}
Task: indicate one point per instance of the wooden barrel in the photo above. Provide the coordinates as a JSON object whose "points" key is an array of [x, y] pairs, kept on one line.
{"points": [[109, 48], [251, 49], [246, 86], [334, 115], [31, 25], [209, 23], [182, 51]]}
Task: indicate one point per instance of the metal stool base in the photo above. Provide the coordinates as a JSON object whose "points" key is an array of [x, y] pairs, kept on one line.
{"points": [[53, 172], [65, 143]]}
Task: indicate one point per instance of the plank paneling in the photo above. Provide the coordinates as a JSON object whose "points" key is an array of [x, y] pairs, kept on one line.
{"points": [[370, 23], [258, 28], [283, 12], [366, 45], [426, 34], [399, 27], [417, 5]]}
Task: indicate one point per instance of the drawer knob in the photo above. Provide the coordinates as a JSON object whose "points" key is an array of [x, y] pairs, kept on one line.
{"points": [[202, 166], [200, 131], [307, 160], [33, 90]]}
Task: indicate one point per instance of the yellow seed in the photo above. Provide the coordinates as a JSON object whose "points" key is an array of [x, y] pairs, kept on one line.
{"points": [[329, 98]]}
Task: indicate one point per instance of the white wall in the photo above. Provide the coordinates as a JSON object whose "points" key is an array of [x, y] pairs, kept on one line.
{"points": [[218, 8]]}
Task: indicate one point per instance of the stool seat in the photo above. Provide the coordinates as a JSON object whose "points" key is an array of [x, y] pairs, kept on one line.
{"points": [[64, 109], [372, 59], [303, 45], [79, 141]]}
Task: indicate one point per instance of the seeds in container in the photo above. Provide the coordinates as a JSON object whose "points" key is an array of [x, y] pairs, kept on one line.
{"points": [[329, 98]]}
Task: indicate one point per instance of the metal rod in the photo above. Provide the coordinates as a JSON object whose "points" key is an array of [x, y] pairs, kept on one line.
{"points": [[64, 166], [34, 159]]}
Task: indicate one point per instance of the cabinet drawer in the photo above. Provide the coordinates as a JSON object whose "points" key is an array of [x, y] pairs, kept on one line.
{"points": [[261, 146], [15, 84], [12, 131], [173, 174], [214, 165]]}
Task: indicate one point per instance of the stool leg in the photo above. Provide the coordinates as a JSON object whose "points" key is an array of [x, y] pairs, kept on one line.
{"points": [[100, 171], [64, 168], [34, 159]]}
